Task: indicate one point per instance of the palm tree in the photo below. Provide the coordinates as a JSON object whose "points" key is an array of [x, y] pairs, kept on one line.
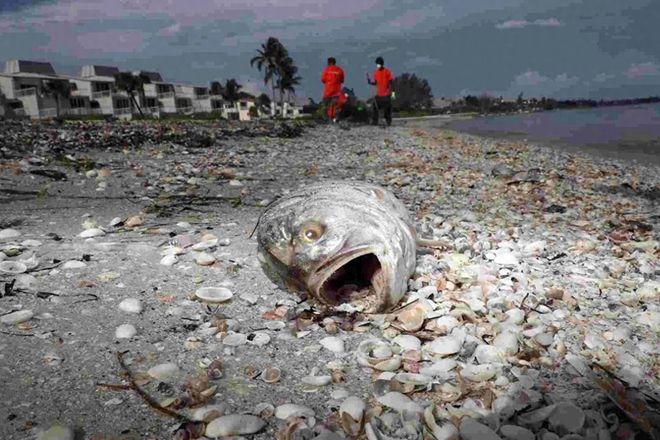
{"points": [[267, 58], [58, 89], [131, 84], [231, 91], [216, 88], [287, 78]]}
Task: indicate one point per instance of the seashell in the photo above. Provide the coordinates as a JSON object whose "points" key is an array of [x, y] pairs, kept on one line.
{"points": [[169, 260], [205, 245], [172, 250], [287, 410], [12, 267], [372, 351], [443, 431], [9, 233], [354, 407], [264, 410], [399, 402], [413, 379], [204, 259], [89, 233], [131, 305], [392, 364], [446, 345], [133, 222], [259, 339], [125, 331], [203, 413], [271, 375], [445, 324], [213, 294], [234, 339], [407, 342], [395, 426], [439, 368], [478, 373], [318, 381], [332, 343], [235, 424], [487, 354], [16, 317], [164, 372], [412, 318]]}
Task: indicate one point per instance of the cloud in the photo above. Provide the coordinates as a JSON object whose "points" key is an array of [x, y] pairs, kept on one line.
{"points": [[93, 44], [603, 77], [424, 60], [519, 24], [642, 69], [170, 30], [532, 83]]}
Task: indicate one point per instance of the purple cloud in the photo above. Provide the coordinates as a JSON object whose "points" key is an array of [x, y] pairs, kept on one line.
{"points": [[519, 24], [642, 69], [63, 39]]}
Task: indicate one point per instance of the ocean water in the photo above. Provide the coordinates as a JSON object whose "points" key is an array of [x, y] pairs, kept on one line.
{"points": [[630, 133]]}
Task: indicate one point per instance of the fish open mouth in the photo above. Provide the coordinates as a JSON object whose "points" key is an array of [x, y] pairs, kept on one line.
{"points": [[350, 276]]}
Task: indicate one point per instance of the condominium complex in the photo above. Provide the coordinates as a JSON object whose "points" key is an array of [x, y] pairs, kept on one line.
{"points": [[33, 89]]}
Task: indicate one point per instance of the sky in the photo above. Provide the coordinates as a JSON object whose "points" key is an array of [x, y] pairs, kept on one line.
{"points": [[558, 48]]}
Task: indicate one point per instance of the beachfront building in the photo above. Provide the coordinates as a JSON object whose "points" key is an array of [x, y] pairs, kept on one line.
{"points": [[96, 84], [197, 96], [244, 104], [24, 85], [162, 93]]}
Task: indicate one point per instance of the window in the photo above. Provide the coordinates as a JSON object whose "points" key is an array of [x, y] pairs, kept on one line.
{"points": [[243, 105], [77, 103], [101, 87], [123, 103]]}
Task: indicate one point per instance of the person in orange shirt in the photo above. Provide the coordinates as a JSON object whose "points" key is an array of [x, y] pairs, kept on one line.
{"points": [[383, 100], [332, 79]]}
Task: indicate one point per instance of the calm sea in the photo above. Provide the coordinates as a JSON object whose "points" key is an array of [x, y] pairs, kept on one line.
{"points": [[630, 133]]}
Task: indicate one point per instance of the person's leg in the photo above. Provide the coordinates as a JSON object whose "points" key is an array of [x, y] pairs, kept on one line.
{"points": [[374, 112], [387, 109]]}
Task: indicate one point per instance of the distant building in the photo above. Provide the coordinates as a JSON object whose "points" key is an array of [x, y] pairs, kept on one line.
{"points": [[97, 83]]}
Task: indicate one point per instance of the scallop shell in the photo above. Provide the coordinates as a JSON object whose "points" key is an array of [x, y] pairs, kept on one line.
{"points": [[271, 374], [12, 267]]}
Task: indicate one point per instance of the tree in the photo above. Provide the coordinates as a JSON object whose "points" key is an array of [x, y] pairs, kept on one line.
{"points": [[288, 79], [263, 101], [519, 101], [58, 89], [412, 92], [216, 88], [267, 58], [131, 84], [231, 91]]}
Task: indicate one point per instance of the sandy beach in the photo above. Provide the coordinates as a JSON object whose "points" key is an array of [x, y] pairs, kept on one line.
{"points": [[539, 317]]}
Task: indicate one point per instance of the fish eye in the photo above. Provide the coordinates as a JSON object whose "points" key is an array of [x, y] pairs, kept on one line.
{"points": [[311, 231]]}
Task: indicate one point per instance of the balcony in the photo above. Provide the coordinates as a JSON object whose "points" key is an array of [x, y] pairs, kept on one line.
{"points": [[165, 95], [26, 92], [122, 111], [96, 111], [151, 110], [47, 113], [185, 110], [201, 97], [101, 94], [80, 111]]}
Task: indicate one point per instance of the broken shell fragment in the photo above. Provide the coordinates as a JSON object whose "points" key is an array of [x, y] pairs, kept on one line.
{"points": [[12, 267], [441, 429], [235, 424]]}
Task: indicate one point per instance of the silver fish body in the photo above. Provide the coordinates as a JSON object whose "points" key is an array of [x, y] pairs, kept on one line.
{"points": [[340, 242]]}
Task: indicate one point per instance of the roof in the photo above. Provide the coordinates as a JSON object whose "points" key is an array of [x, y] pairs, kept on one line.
{"points": [[154, 77], [27, 66], [31, 75], [92, 70]]}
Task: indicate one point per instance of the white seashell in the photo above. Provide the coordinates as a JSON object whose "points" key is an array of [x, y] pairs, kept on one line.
{"points": [[31, 243], [392, 364], [9, 233], [478, 373], [407, 342], [93, 232], [515, 316], [507, 341], [399, 402], [264, 409], [446, 323], [439, 368], [259, 339], [125, 331], [205, 245], [319, 381], [200, 414], [164, 372], [74, 264], [235, 424], [333, 343], [234, 339], [169, 260], [12, 267], [444, 431], [16, 317], [172, 250], [204, 259], [26, 281], [487, 354], [504, 257], [446, 345], [131, 305], [354, 407], [287, 410], [213, 294], [372, 351], [413, 378]]}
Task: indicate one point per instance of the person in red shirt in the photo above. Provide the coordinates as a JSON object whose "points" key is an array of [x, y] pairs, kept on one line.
{"points": [[383, 100], [332, 79]]}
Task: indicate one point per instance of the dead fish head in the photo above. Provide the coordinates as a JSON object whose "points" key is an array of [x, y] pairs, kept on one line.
{"points": [[341, 242]]}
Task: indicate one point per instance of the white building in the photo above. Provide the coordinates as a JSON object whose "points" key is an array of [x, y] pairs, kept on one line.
{"points": [[23, 85], [97, 83], [161, 92]]}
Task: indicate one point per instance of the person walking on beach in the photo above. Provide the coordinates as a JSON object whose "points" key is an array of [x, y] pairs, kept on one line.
{"points": [[383, 99], [332, 79]]}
